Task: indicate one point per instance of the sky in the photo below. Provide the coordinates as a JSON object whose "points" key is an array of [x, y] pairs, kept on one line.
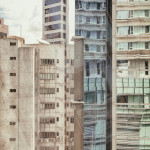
{"points": [[24, 18]]}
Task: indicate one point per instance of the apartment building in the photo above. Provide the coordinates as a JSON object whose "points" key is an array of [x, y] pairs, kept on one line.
{"points": [[37, 108], [90, 22], [58, 21], [16, 96], [131, 75]]}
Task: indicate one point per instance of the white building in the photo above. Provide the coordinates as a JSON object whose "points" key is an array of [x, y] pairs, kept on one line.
{"points": [[58, 21]]}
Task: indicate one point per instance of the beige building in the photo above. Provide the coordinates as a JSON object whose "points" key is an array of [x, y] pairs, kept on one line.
{"points": [[3, 29], [37, 96], [16, 96], [131, 75]]}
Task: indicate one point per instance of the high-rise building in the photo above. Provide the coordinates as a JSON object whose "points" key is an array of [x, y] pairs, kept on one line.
{"points": [[90, 22], [58, 21], [16, 96], [131, 75], [38, 111]]}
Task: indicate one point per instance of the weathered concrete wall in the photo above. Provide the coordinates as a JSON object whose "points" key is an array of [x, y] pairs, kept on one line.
{"points": [[8, 98], [17, 123], [26, 102], [79, 92]]}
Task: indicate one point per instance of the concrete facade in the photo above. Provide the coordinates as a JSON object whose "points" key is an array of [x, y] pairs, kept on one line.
{"points": [[37, 96], [58, 21], [16, 96], [131, 76]]}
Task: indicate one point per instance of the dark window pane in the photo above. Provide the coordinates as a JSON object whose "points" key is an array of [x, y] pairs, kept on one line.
{"points": [[53, 18], [53, 35], [49, 2], [53, 27], [52, 10]]}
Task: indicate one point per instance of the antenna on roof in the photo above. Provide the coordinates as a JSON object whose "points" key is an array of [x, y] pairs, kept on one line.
{"points": [[20, 30]]}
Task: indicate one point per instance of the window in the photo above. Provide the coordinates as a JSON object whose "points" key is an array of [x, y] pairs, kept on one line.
{"points": [[52, 18], [88, 19], [103, 48], [49, 105], [88, 34], [49, 2], [47, 76], [12, 43], [52, 9], [64, 18], [12, 106], [57, 75], [147, 29], [67, 60], [49, 148], [12, 123], [47, 61], [98, 48], [67, 118], [87, 5], [104, 19], [57, 104], [146, 13], [64, 1], [87, 69], [57, 60], [12, 90], [64, 35], [72, 120], [130, 13], [12, 74], [57, 118], [47, 90], [57, 89], [98, 34], [53, 35], [146, 45], [98, 20], [130, 46], [12, 139], [48, 120], [98, 6], [47, 135], [80, 19], [130, 30], [146, 67], [64, 26], [86, 47], [98, 68], [12, 58], [64, 9], [53, 27]]}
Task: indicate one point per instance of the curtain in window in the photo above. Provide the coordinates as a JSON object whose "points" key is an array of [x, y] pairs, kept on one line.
{"points": [[122, 14]]}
